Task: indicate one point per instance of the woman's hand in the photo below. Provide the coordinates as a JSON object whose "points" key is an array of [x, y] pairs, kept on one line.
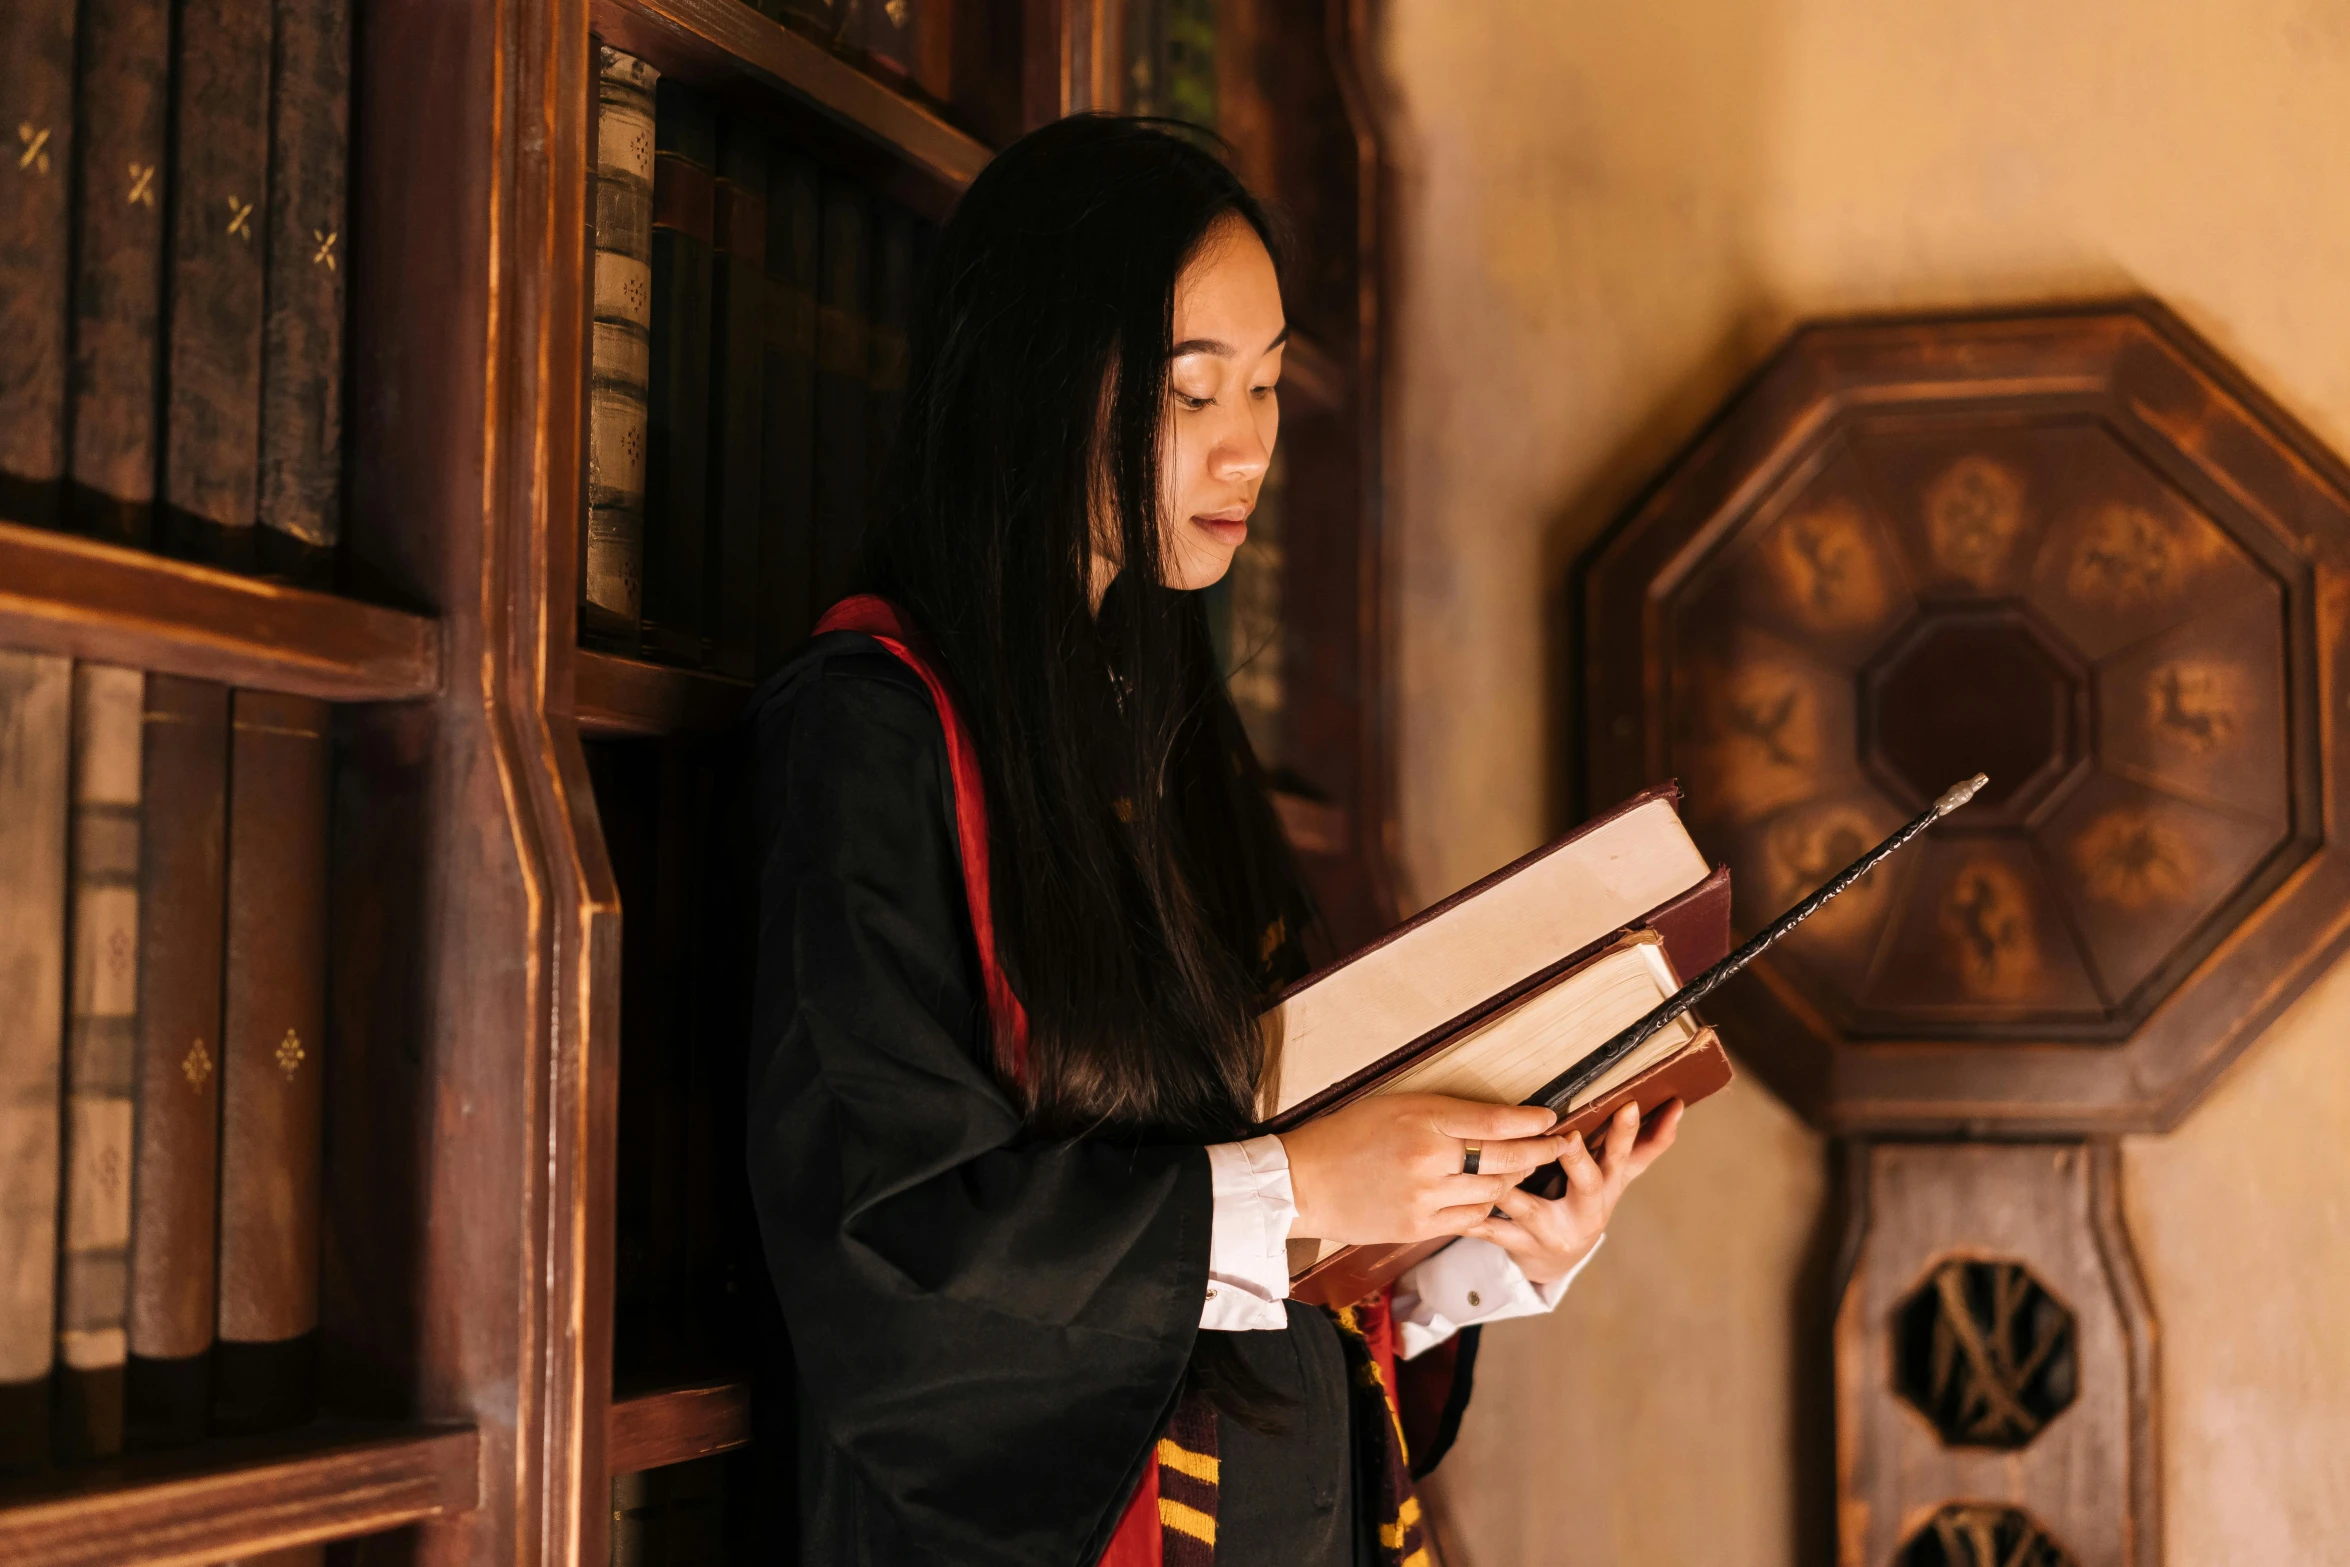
{"points": [[1388, 1168], [1547, 1237]]}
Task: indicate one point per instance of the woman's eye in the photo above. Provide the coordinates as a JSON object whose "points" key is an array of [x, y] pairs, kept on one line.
{"points": [[1261, 392], [1189, 401]]}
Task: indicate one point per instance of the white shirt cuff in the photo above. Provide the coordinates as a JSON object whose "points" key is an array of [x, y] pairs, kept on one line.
{"points": [[1248, 1236], [1470, 1282]]}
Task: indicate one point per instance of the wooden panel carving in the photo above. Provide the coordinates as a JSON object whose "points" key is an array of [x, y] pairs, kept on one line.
{"points": [[1994, 1362], [2074, 551]]}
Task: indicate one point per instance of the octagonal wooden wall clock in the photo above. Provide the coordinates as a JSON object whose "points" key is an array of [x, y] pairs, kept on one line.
{"points": [[2078, 551]]}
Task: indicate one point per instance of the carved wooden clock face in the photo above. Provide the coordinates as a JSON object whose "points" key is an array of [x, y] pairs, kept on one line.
{"points": [[2030, 600], [2073, 550]]}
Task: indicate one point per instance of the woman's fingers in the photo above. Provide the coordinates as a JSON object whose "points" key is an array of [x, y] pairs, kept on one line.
{"points": [[1583, 1174], [1623, 1129], [1655, 1137], [1518, 1155], [1489, 1124]]}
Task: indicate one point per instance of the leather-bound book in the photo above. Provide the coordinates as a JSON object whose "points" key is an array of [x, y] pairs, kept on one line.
{"points": [[272, 1032], [175, 1159], [843, 387], [893, 302], [93, 1268], [301, 508], [1497, 991], [787, 494], [677, 466], [219, 173], [36, 173], [122, 110], [620, 198], [737, 358], [36, 711]]}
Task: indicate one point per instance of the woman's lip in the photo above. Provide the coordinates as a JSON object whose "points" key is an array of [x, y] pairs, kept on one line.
{"points": [[1232, 532]]}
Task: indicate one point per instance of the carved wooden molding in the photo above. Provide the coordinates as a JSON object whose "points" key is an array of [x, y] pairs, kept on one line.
{"points": [[1922, 1478], [2073, 549]]}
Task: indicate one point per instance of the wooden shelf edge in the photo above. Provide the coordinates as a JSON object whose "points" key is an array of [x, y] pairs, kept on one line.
{"points": [[85, 599], [617, 697], [229, 1499], [676, 1424], [712, 39]]}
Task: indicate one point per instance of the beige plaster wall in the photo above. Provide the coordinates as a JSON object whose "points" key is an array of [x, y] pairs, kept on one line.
{"points": [[1612, 211]]}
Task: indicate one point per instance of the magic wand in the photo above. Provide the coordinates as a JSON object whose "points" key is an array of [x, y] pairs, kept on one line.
{"points": [[1560, 1091]]}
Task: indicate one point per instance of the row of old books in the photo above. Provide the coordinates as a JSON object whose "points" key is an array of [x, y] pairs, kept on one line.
{"points": [[746, 370], [171, 274], [163, 846]]}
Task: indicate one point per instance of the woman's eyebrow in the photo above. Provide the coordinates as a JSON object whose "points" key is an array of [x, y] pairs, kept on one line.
{"points": [[1218, 347]]}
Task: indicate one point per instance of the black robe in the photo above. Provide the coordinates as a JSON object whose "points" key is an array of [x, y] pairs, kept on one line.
{"points": [[988, 1330]]}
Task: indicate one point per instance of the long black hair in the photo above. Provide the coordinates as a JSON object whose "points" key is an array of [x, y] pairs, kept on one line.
{"points": [[1144, 894]]}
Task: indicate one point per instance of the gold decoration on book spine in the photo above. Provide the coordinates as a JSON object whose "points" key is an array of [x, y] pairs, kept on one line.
{"points": [[35, 141], [290, 1054], [196, 1065], [142, 191]]}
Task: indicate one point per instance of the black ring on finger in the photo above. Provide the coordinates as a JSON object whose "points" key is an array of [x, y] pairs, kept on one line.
{"points": [[1469, 1157]]}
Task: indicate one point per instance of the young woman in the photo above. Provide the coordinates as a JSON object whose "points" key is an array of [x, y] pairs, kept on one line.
{"points": [[1023, 895]]}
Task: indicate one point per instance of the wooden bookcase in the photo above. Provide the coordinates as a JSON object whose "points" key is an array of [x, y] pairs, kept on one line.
{"points": [[474, 1058]]}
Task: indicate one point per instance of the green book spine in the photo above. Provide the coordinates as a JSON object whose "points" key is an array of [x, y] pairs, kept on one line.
{"points": [[218, 204], [93, 1253], [301, 499], [843, 388], [36, 168], [123, 109], [787, 495], [738, 306], [36, 706], [677, 463], [612, 557], [175, 1160]]}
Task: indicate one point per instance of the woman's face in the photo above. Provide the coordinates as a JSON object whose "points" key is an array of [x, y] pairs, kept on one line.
{"points": [[1222, 415]]}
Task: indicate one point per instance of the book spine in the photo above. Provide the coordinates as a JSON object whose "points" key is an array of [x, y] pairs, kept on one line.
{"points": [[892, 302], [122, 110], [612, 557], [636, 1506], [36, 142], [175, 1159], [885, 32], [36, 707], [788, 423], [301, 494], [214, 292], [272, 1028], [677, 465], [738, 303], [93, 1254], [843, 385]]}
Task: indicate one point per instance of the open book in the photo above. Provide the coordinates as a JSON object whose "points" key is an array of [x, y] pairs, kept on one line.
{"points": [[1498, 992]]}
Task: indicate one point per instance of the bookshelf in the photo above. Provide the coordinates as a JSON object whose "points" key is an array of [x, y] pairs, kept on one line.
{"points": [[84, 599], [476, 1403], [244, 1498]]}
